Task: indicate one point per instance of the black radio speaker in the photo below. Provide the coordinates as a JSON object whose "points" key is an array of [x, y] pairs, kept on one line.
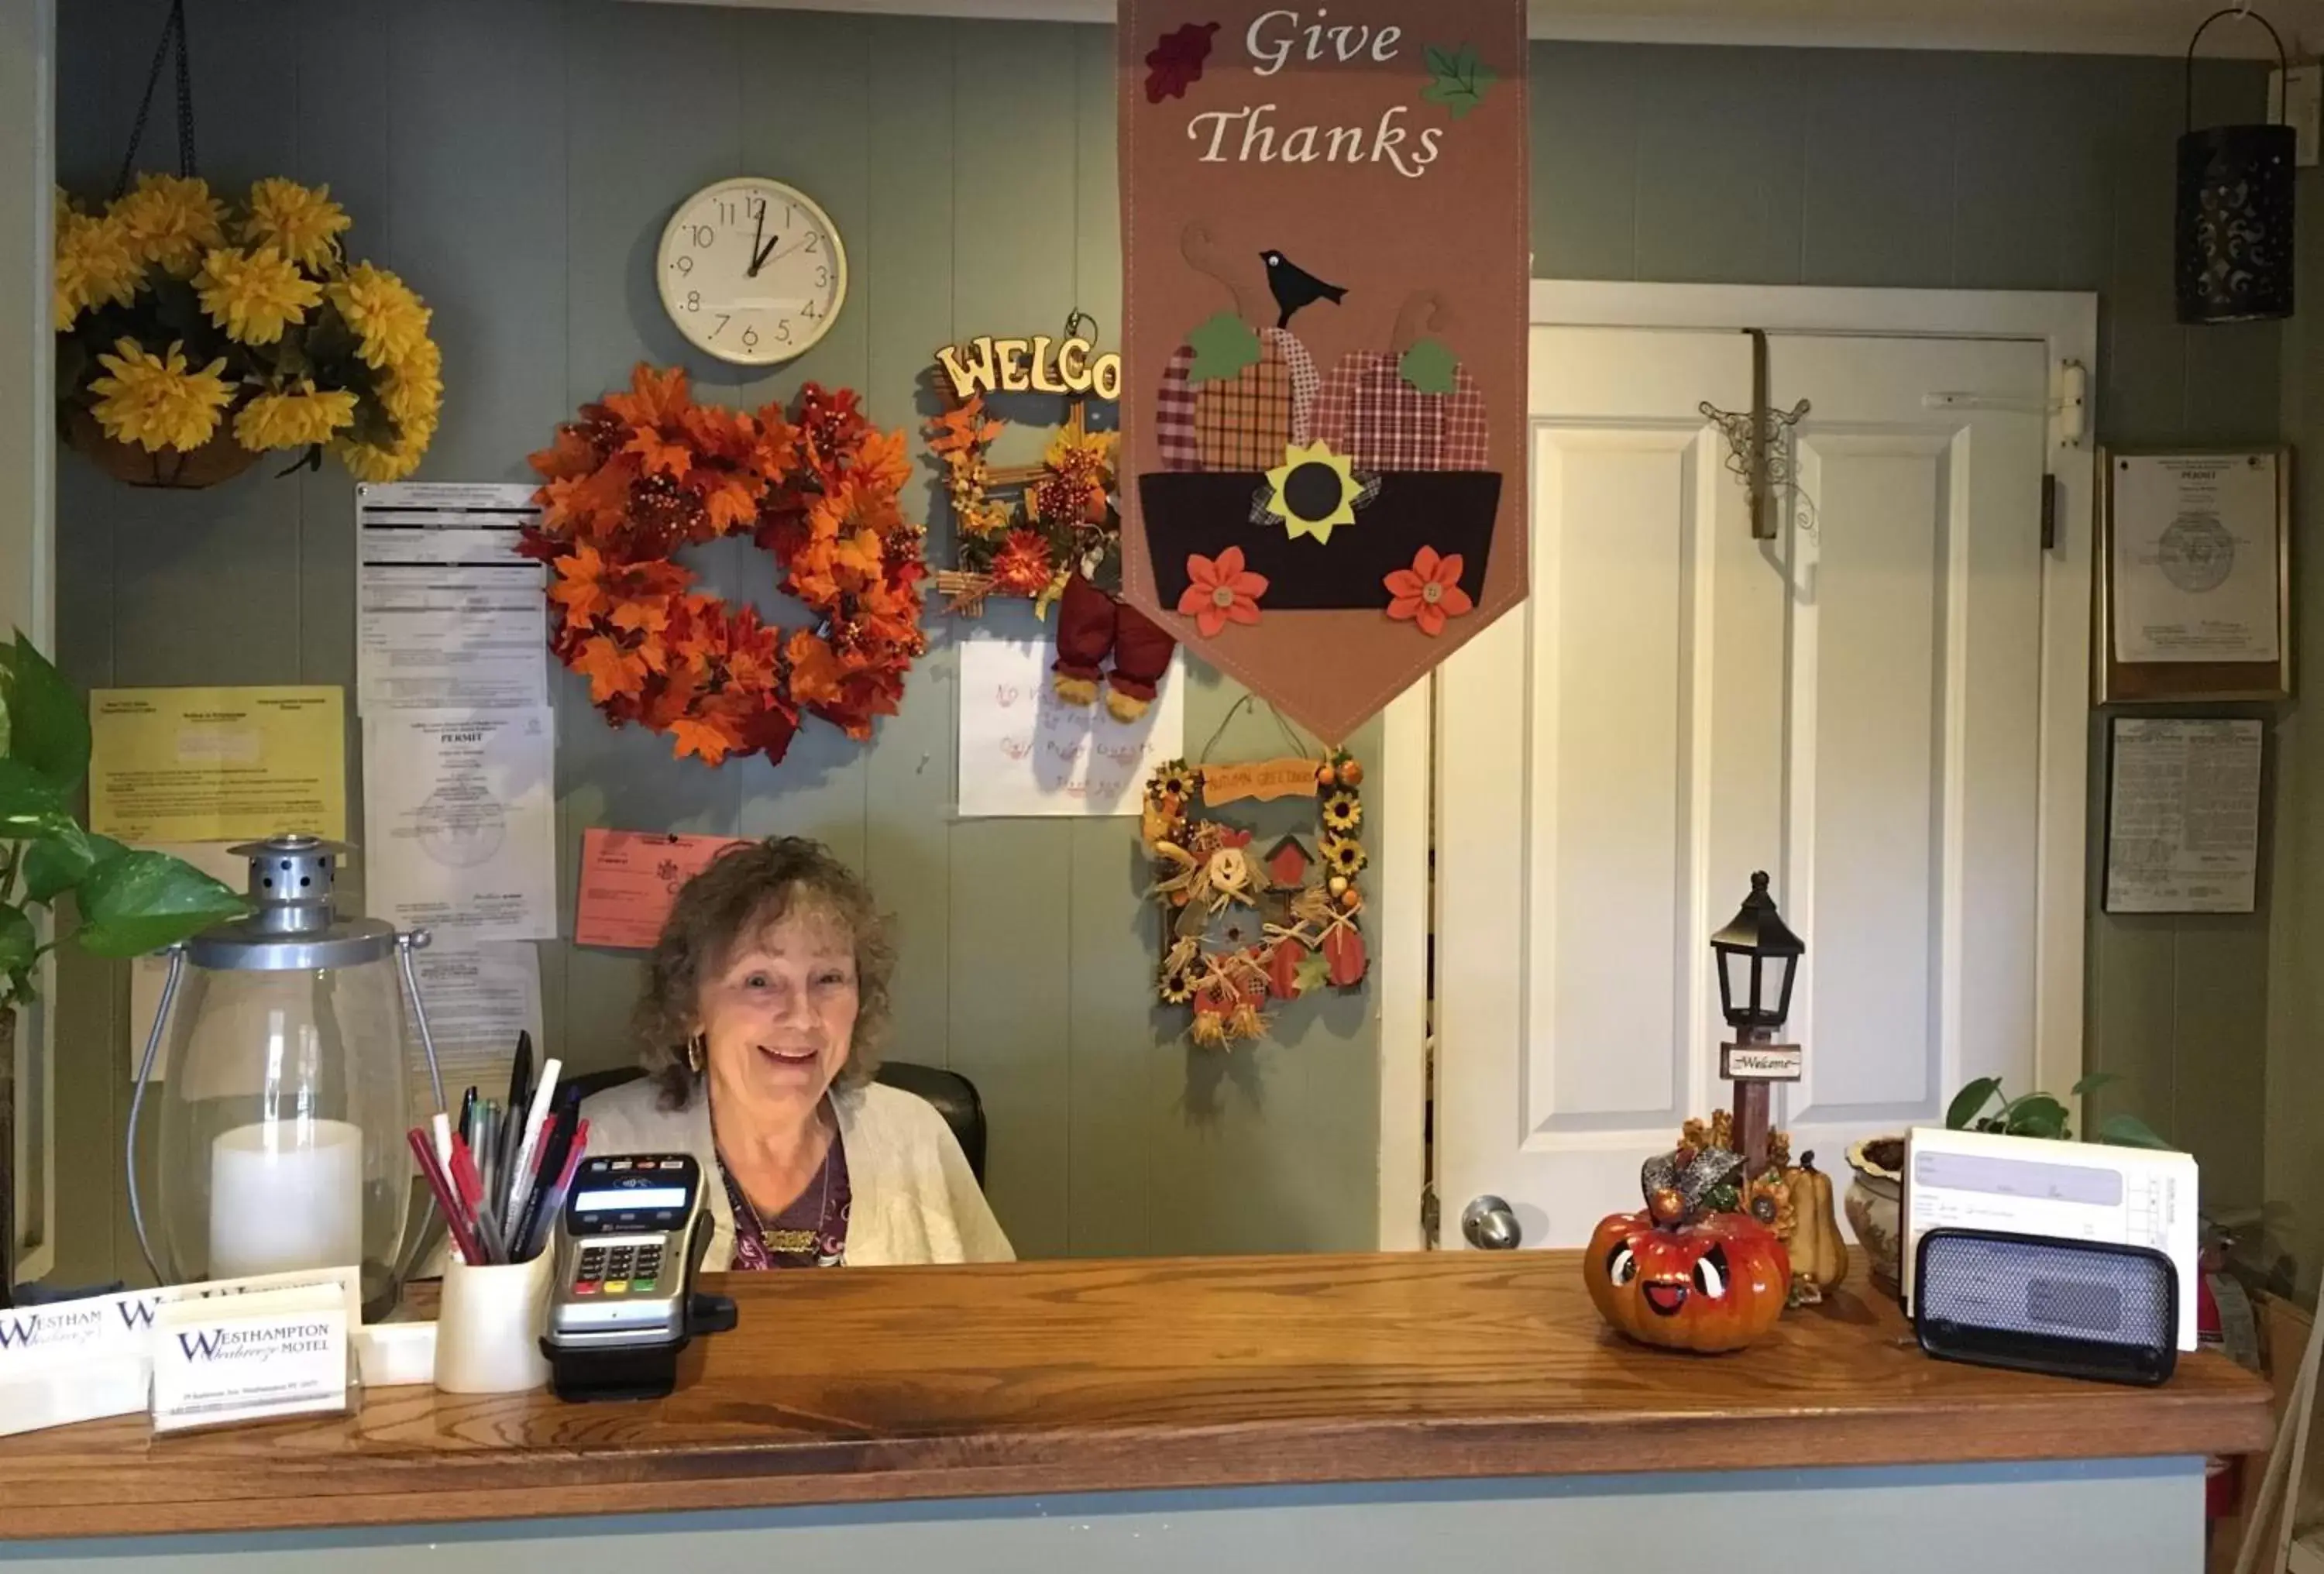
{"points": [[2040, 1303]]}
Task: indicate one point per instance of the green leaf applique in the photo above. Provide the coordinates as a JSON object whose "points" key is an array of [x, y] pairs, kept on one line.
{"points": [[1458, 79], [1311, 971], [1428, 366], [1222, 347]]}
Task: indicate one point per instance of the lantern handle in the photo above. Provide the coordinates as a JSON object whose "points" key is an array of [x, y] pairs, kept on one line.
{"points": [[137, 1103], [405, 944], [2243, 10]]}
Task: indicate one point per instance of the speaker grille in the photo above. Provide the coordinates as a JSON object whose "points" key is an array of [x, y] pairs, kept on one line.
{"points": [[2031, 1284]]}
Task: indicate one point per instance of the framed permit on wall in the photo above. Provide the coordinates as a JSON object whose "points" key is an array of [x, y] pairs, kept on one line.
{"points": [[2194, 576]]}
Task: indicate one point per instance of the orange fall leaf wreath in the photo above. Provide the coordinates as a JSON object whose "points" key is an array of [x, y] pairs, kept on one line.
{"points": [[644, 474]]}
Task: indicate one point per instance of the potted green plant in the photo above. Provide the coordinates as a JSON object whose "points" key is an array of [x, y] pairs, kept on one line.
{"points": [[123, 901], [1876, 1196]]}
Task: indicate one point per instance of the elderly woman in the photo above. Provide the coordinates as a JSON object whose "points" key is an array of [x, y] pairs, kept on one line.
{"points": [[764, 999]]}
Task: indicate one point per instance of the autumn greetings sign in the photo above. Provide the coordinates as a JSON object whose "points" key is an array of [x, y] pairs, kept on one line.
{"points": [[1323, 218]]}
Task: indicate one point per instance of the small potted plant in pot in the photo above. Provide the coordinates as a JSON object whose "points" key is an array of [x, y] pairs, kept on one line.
{"points": [[1875, 1202], [125, 901]]}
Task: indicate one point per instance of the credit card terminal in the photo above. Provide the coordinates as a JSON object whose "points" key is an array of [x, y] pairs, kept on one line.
{"points": [[629, 1243]]}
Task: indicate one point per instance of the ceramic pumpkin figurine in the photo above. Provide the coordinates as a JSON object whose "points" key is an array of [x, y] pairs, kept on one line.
{"points": [[1679, 1275]]}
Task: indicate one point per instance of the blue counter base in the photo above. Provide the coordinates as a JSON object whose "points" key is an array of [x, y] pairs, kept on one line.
{"points": [[2122, 1516]]}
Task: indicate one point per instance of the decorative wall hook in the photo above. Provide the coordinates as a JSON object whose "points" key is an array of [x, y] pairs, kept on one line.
{"points": [[1759, 442]]}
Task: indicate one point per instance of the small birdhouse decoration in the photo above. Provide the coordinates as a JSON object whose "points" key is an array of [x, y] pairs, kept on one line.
{"points": [[1287, 863], [1327, 287]]}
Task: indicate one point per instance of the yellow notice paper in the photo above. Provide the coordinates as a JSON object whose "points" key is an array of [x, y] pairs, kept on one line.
{"points": [[218, 764]]}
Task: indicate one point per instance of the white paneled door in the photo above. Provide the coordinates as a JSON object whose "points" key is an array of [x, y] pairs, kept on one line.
{"points": [[1854, 707]]}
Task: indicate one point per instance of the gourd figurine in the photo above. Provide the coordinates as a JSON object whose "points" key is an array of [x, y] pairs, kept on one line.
{"points": [[1818, 1257], [1680, 1276]]}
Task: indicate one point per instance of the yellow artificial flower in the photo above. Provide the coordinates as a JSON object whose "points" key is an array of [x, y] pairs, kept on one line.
{"points": [[95, 265], [302, 225], [298, 418], [255, 295], [413, 387], [153, 401], [173, 220], [366, 462], [382, 309], [1068, 445]]}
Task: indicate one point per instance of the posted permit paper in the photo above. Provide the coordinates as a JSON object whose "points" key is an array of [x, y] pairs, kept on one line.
{"points": [[216, 764], [446, 613], [629, 879], [460, 822]]}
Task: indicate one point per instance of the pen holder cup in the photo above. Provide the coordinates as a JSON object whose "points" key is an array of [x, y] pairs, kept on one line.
{"points": [[489, 1325]]}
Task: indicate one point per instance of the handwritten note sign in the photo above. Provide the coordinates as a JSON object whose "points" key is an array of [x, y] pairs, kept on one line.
{"points": [[1024, 751]]}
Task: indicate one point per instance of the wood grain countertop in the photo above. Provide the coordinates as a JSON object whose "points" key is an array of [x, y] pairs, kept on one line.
{"points": [[1070, 1376]]}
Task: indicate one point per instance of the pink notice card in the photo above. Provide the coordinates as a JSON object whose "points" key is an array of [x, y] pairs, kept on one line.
{"points": [[629, 879]]}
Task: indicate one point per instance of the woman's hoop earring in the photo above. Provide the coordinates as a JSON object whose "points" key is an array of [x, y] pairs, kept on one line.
{"points": [[695, 1048]]}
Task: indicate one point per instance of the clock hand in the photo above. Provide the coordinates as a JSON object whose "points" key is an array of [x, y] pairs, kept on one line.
{"points": [[757, 235], [760, 258]]}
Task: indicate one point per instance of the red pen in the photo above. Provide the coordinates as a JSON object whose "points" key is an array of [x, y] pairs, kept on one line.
{"points": [[471, 1182], [553, 1203], [439, 1185]]}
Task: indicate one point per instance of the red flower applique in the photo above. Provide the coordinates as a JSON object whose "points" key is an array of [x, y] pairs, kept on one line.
{"points": [[1428, 592], [1221, 591], [1177, 62]]}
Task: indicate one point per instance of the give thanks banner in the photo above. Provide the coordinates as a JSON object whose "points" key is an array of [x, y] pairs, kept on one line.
{"points": [[1324, 228]]}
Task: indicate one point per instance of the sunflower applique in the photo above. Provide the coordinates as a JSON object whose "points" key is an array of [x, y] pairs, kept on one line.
{"points": [[1313, 492], [1342, 812], [1344, 855]]}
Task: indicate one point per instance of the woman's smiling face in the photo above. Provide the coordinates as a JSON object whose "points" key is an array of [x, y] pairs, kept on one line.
{"points": [[778, 1015]]}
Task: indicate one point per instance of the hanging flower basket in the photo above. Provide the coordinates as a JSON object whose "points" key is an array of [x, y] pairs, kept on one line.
{"points": [[194, 335], [219, 459]]}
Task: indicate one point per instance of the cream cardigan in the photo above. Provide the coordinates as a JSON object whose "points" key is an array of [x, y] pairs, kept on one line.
{"points": [[914, 1198]]}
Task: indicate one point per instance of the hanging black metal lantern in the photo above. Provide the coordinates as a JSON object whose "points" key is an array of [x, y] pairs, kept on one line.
{"points": [[2234, 220]]}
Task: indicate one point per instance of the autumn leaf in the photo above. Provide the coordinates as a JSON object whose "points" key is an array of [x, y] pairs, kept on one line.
{"points": [[580, 587], [1314, 970], [815, 672], [656, 454], [611, 670], [729, 504], [1457, 79], [884, 461], [1175, 63], [571, 455], [962, 429], [653, 399], [707, 741], [641, 617]]}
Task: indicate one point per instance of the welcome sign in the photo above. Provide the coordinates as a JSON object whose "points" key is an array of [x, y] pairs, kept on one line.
{"points": [[1324, 230]]}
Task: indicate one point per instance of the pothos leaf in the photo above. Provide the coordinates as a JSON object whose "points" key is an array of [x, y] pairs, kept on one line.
{"points": [[2130, 1131], [1458, 79], [1429, 367], [1222, 347], [142, 901], [1971, 1099], [18, 943]]}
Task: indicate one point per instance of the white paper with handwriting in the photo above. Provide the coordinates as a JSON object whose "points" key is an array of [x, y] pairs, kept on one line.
{"points": [[1025, 752]]}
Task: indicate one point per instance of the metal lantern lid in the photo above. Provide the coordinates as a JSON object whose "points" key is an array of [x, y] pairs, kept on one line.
{"points": [[295, 927], [2233, 224], [1758, 928]]}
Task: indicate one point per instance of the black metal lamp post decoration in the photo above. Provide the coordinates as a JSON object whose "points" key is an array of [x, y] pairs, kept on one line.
{"points": [[2234, 220], [1758, 958]]}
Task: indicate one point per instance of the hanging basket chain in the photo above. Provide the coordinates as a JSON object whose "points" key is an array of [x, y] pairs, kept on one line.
{"points": [[173, 35]]}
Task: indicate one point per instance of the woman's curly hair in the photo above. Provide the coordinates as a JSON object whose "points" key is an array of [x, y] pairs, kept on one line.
{"points": [[744, 890]]}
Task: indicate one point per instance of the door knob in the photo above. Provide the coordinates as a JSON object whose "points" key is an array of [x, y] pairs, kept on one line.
{"points": [[1491, 1225]]}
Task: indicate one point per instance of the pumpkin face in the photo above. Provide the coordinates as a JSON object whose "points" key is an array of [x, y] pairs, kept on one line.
{"points": [[1714, 1284]]}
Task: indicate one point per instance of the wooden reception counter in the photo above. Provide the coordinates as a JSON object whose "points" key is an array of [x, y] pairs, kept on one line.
{"points": [[1163, 1378]]}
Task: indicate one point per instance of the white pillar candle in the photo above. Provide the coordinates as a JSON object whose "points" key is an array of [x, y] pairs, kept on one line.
{"points": [[286, 1195]]}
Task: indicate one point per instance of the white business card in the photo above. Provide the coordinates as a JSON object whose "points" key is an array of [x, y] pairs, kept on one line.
{"points": [[252, 1356]]}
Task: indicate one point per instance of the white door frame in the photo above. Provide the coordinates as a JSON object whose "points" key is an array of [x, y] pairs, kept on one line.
{"points": [[2066, 325]]}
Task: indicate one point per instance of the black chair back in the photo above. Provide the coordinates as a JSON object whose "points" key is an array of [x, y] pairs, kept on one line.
{"points": [[954, 1097]]}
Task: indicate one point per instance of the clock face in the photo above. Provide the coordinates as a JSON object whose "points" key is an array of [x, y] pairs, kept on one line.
{"points": [[752, 271]]}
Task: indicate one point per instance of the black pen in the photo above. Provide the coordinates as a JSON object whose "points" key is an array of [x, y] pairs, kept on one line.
{"points": [[543, 1180], [519, 1100]]}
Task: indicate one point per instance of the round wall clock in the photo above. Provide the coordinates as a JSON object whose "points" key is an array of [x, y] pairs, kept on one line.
{"points": [[752, 271]]}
